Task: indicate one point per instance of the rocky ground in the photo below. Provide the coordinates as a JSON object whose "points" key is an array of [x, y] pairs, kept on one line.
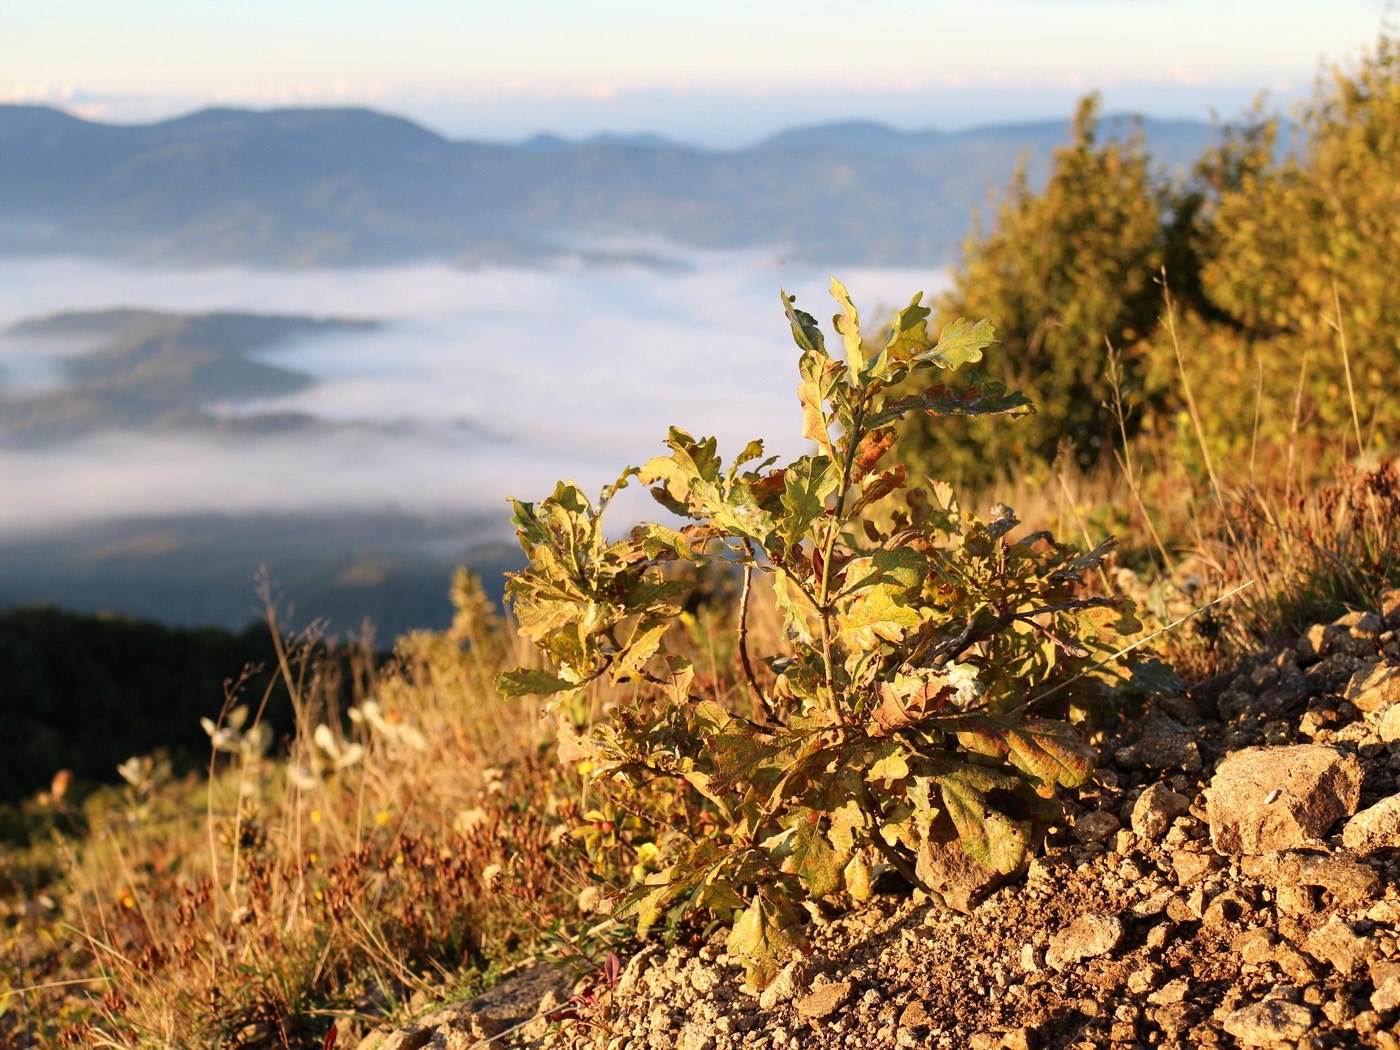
{"points": [[1230, 877]]}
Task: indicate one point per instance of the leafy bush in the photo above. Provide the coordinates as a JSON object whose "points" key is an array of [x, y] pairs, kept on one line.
{"points": [[929, 653], [1065, 271], [1297, 248]]}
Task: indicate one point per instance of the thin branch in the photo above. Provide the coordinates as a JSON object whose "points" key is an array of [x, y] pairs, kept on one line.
{"points": [[1124, 652], [898, 861], [1346, 363], [761, 714]]}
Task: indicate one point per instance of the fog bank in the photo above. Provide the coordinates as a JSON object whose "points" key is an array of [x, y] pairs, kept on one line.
{"points": [[481, 384]]}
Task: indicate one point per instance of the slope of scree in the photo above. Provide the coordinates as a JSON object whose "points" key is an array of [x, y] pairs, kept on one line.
{"points": [[1230, 878]]}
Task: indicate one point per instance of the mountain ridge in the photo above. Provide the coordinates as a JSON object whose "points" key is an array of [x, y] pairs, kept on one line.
{"points": [[152, 371], [291, 188]]}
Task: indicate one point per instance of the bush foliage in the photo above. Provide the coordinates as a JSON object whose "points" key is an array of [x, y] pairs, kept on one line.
{"points": [[1278, 262], [1064, 272], [922, 644]]}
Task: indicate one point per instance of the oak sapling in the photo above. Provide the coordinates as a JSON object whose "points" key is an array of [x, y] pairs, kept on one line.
{"points": [[920, 641]]}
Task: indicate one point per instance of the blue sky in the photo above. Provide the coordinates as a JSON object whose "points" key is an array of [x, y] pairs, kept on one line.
{"points": [[720, 72]]}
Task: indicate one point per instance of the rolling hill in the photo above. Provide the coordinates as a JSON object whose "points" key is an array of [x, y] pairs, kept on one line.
{"points": [[327, 187]]}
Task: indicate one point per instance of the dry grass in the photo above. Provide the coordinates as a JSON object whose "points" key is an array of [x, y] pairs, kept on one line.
{"points": [[331, 882]]}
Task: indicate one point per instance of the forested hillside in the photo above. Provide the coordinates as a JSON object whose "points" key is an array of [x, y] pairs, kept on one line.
{"points": [[1257, 294], [353, 187], [85, 693]]}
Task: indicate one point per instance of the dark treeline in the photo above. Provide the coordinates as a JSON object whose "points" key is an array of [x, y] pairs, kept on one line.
{"points": [[85, 693]]}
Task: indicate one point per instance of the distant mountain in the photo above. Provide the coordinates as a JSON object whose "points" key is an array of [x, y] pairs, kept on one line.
{"points": [[327, 187], [146, 370], [390, 567]]}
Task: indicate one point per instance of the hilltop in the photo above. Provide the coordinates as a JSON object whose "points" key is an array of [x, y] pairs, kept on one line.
{"points": [[149, 370], [347, 187]]}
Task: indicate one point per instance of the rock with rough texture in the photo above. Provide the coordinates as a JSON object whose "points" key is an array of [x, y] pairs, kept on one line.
{"points": [[944, 867], [630, 981], [1375, 685], [825, 999], [1388, 724], [1337, 943], [1155, 810], [1345, 880], [1190, 867], [793, 980], [1276, 798], [1386, 978], [1095, 826], [1087, 937], [1375, 828], [1270, 1022], [413, 1038]]}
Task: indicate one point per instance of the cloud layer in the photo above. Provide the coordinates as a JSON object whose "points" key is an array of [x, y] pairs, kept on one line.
{"points": [[482, 384]]}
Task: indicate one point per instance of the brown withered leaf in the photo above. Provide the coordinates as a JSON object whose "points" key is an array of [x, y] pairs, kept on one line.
{"points": [[907, 700], [769, 488], [874, 445]]}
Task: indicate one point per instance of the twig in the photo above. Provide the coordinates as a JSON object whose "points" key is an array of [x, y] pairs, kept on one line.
{"points": [[761, 714], [1346, 364]]}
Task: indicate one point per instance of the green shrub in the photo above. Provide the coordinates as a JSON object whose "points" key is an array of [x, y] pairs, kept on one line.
{"points": [[1297, 250], [1065, 272], [923, 646]]}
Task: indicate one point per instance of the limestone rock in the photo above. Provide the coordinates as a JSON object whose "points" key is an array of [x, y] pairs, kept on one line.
{"points": [[1269, 1022], [1374, 685], [1318, 641], [825, 999], [1388, 724], [944, 867], [1255, 946], [1088, 936], [1189, 867], [1337, 943], [405, 1039], [1374, 828], [630, 982], [1155, 810], [1275, 798], [793, 980], [1095, 826], [915, 1015], [1345, 880], [1389, 608], [1386, 977]]}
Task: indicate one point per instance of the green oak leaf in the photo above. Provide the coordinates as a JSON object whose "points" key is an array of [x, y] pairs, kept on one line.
{"points": [[847, 323], [814, 859], [960, 343], [807, 485], [990, 837], [765, 937], [529, 682]]}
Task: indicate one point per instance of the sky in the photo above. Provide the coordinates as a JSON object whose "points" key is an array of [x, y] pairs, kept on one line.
{"points": [[714, 72]]}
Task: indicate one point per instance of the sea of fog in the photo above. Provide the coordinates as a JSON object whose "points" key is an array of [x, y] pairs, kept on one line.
{"points": [[479, 384]]}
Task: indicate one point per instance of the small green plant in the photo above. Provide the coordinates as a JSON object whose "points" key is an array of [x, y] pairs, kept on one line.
{"points": [[929, 664]]}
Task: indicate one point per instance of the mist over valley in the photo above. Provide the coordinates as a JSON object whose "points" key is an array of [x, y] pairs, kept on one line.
{"points": [[332, 342], [164, 433]]}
